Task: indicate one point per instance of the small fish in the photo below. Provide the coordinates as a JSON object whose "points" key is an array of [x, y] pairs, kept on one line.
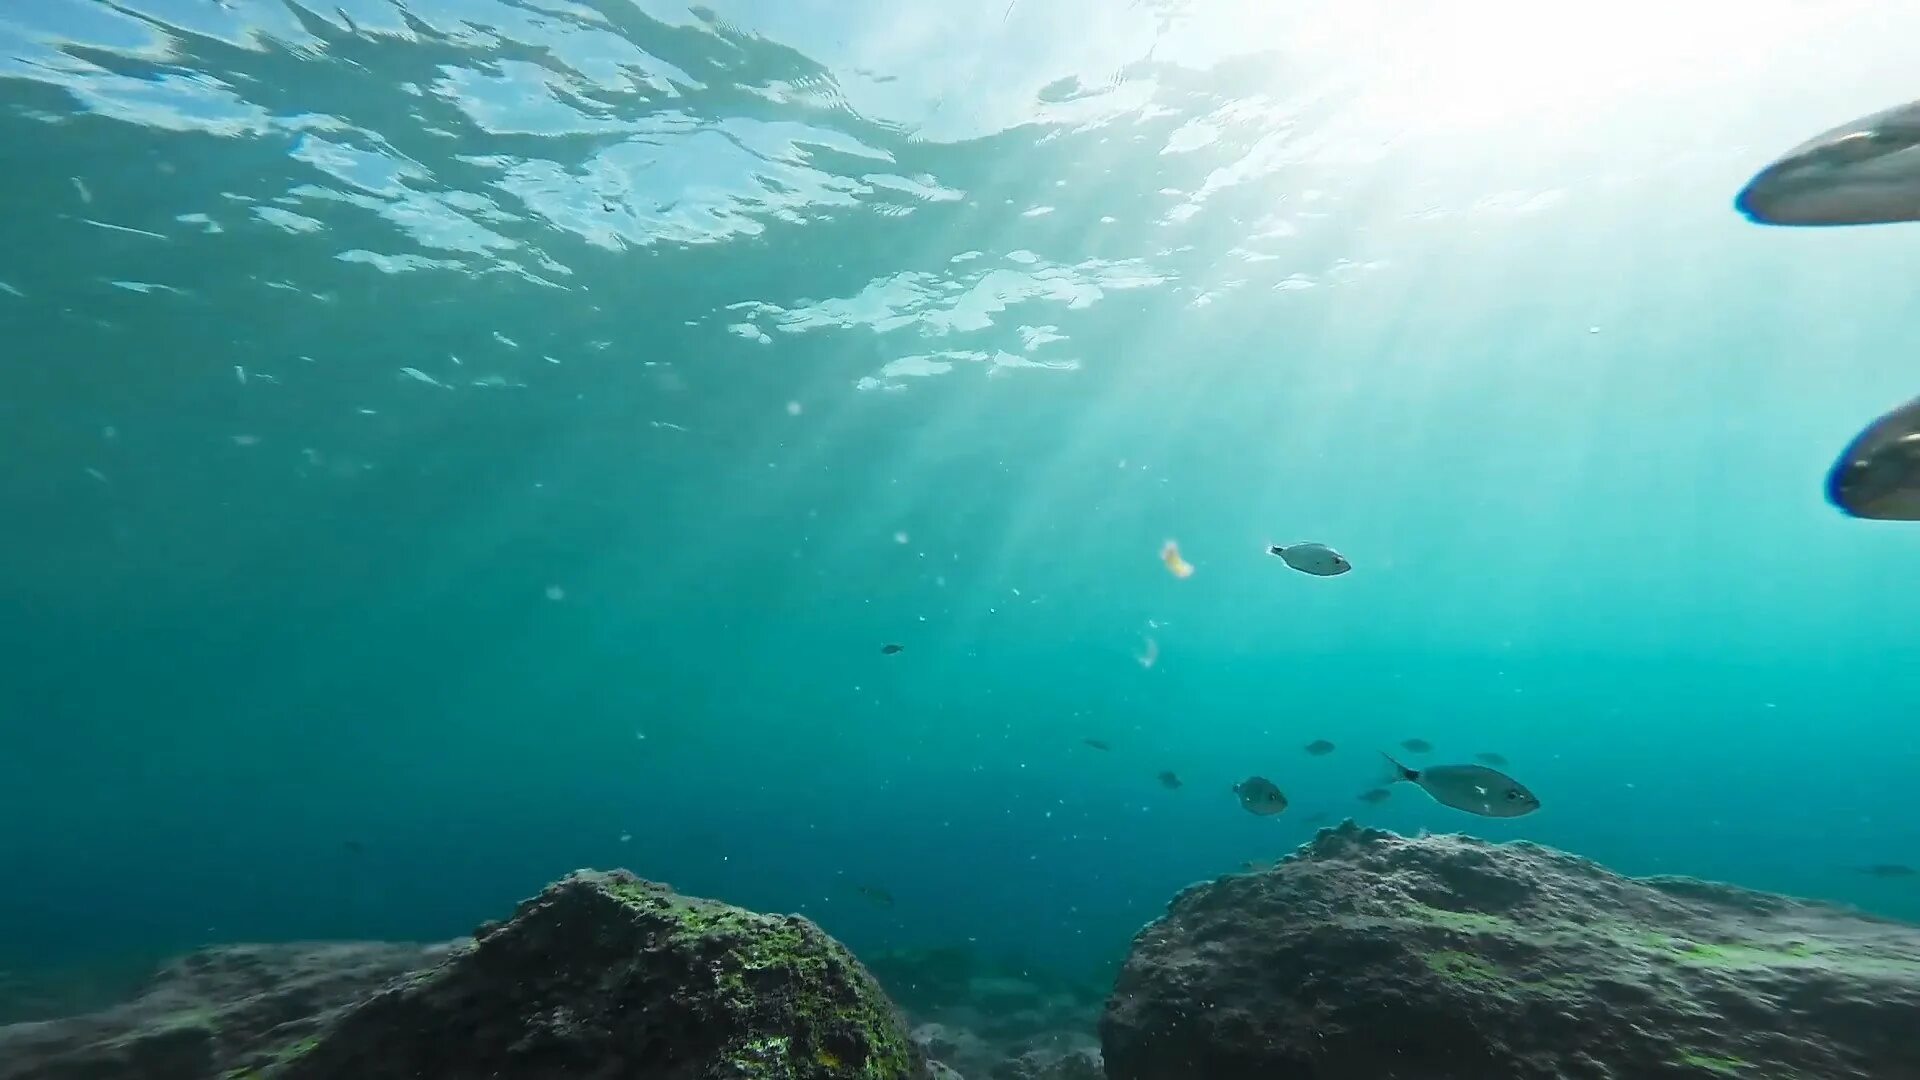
{"points": [[354, 847], [1376, 796], [1256, 866], [1319, 748], [1097, 744], [1417, 746], [890, 648], [880, 897], [1490, 759], [1878, 474], [1473, 788], [1169, 781], [1887, 870], [1258, 795], [1179, 567], [1864, 172], [1316, 559]]}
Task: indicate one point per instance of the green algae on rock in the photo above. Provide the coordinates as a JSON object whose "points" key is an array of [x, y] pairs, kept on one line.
{"points": [[604, 975], [1367, 954]]}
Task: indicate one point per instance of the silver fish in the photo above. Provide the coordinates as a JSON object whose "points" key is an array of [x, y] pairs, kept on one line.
{"points": [[1473, 788], [1878, 474], [1316, 559], [1260, 796], [1866, 172]]}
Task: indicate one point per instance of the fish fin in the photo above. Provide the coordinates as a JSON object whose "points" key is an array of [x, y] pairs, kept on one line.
{"points": [[1398, 771]]}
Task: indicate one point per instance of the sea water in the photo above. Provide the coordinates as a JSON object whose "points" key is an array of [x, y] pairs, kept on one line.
{"points": [[446, 444]]}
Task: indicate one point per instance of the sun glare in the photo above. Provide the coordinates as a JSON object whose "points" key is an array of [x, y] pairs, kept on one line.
{"points": [[1491, 62]]}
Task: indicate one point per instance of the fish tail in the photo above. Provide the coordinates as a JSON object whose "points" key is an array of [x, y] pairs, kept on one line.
{"points": [[1398, 772]]}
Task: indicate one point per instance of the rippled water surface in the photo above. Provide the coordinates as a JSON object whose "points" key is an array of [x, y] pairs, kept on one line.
{"points": [[446, 443]]}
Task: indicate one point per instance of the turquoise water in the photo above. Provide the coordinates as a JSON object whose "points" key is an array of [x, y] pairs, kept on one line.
{"points": [[445, 446]]}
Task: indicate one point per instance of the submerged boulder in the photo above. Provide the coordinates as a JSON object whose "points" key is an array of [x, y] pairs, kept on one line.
{"points": [[604, 975], [1370, 956], [216, 1012]]}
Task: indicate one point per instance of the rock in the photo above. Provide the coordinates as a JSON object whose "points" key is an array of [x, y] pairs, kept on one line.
{"points": [[1078, 1064], [212, 1012], [1060, 1055], [607, 976], [957, 1048], [1369, 955], [994, 1016]]}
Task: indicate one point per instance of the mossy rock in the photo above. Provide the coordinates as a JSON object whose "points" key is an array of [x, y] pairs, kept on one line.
{"points": [[1367, 954], [607, 976]]}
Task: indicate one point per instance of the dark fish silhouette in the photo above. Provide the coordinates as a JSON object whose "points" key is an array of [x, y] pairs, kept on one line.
{"points": [[1473, 788], [1316, 559], [1259, 795], [1490, 759], [1878, 475], [1319, 748], [1168, 780], [1864, 172], [1887, 870], [1417, 746], [1376, 796], [890, 648], [878, 895], [1097, 744]]}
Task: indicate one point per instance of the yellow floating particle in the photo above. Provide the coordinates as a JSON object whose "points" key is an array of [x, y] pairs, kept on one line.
{"points": [[1170, 554]]}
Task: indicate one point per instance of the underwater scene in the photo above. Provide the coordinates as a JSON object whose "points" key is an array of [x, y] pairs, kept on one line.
{"points": [[1000, 539]]}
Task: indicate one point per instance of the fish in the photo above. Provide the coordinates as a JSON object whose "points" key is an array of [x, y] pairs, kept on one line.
{"points": [[1490, 759], [1316, 559], [1097, 744], [1887, 870], [1319, 748], [1878, 475], [890, 648], [1475, 789], [1256, 866], [1864, 172], [880, 896], [1376, 796], [1417, 746], [1259, 795], [1169, 781], [1177, 566]]}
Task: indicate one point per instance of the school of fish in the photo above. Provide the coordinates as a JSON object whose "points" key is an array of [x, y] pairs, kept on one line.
{"points": [[1864, 172]]}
